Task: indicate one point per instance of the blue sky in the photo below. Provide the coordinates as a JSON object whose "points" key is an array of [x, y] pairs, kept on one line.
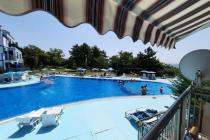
{"points": [[45, 31]]}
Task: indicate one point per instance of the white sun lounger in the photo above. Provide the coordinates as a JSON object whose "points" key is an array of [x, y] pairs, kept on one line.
{"points": [[51, 116], [129, 115], [30, 119]]}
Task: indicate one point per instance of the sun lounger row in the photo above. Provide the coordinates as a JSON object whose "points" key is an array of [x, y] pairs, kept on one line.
{"points": [[48, 117], [147, 116]]}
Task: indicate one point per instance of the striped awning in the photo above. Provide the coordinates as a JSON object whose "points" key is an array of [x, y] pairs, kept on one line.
{"points": [[160, 22]]}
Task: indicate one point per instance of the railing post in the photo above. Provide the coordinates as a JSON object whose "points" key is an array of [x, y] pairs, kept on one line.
{"points": [[189, 108], [139, 133], [180, 120]]}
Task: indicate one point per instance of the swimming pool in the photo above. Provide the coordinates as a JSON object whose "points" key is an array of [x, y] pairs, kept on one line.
{"points": [[19, 100]]}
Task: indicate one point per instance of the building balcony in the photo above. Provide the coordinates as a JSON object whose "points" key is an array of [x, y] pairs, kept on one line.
{"points": [[12, 59], [12, 55], [188, 117]]}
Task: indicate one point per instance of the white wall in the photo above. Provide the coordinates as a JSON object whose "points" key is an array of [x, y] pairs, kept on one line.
{"points": [[19, 58], [5, 42], [1, 40]]}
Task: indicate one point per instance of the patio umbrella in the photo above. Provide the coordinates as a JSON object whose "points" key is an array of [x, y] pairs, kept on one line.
{"points": [[95, 69], [81, 69], [143, 71], [68, 69], [151, 72], [104, 70], [44, 69], [160, 22], [78, 69], [110, 69]]}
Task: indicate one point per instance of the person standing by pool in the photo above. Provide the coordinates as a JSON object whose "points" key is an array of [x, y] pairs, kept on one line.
{"points": [[141, 90], [41, 78], [161, 90]]}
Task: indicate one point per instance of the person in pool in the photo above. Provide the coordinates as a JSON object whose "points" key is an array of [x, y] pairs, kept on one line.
{"points": [[121, 82], [161, 90], [143, 90], [145, 87]]}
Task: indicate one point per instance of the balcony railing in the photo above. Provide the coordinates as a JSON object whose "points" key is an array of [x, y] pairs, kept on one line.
{"points": [[173, 124], [190, 110]]}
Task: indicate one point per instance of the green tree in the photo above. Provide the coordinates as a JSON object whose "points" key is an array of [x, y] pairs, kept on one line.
{"points": [[90, 57], [114, 62], [32, 56], [180, 84], [56, 56], [122, 61], [70, 63], [97, 54], [170, 70], [126, 59], [80, 55], [102, 62], [148, 61], [45, 59], [86, 56]]}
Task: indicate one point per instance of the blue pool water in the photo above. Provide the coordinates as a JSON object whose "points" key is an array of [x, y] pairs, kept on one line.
{"points": [[152, 88], [19, 100]]}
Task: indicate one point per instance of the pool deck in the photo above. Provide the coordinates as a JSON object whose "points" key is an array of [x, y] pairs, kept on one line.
{"points": [[98, 119], [159, 80], [33, 80]]}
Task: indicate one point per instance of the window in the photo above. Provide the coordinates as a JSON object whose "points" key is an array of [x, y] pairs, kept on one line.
{"points": [[6, 56], [1, 56]]}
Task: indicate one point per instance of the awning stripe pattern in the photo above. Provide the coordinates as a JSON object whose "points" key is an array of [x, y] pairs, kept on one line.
{"points": [[160, 22]]}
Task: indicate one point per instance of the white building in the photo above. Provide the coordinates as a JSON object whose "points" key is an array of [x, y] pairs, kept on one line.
{"points": [[10, 57]]}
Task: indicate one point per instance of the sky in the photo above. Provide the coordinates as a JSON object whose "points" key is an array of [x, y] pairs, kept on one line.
{"points": [[45, 31]]}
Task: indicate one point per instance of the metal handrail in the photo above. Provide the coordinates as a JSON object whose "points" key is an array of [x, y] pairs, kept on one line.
{"points": [[156, 131]]}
